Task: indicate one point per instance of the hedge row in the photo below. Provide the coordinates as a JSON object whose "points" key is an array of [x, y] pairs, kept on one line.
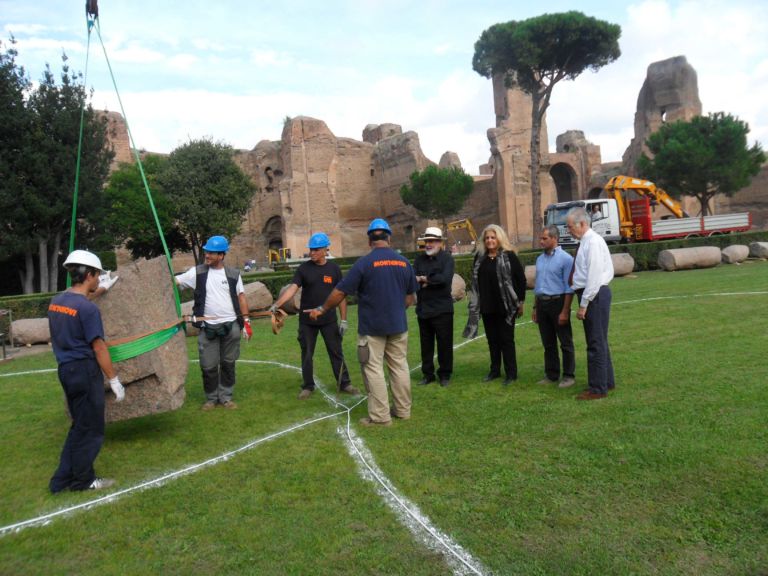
{"points": [[645, 254]]}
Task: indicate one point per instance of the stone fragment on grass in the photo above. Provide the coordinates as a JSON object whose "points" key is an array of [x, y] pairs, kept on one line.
{"points": [[458, 288], [293, 305], [689, 258], [735, 253], [758, 249], [623, 264], [29, 331]]}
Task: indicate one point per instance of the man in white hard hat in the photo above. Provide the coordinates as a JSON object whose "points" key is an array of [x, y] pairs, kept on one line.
{"points": [[77, 336], [434, 307]]}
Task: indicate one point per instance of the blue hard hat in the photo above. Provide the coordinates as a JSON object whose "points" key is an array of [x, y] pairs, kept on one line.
{"points": [[216, 244], [319, 240], [379, 224]]}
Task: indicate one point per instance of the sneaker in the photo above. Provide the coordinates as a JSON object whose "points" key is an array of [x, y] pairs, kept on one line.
{"points": [[305, 393], [101, 483], [545, 381], [229, 405], [349, 389], [567, 382], [368, 422], [210, 405]]}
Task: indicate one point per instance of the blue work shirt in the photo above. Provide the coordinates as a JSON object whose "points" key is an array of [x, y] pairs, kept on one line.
{"points": [[552, 271], [75, 322], [381, 279]]}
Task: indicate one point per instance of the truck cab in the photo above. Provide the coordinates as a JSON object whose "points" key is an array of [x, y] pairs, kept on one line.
{"points": [[603, 212]]}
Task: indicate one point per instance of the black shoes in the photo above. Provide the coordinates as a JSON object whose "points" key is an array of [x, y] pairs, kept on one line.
{"points": [[509, 381], [427, 380], [444, 382], [491, 376]]}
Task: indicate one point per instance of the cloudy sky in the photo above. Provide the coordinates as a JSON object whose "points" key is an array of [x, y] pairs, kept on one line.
{"points": [[234, 69]]}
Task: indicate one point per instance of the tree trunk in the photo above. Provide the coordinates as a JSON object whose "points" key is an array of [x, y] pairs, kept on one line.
{"points": [[53, 263], [42, 262], [536, 115], [28, 275]]}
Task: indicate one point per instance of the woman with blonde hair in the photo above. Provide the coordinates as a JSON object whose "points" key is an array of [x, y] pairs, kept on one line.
{"points": [[498, 294]]}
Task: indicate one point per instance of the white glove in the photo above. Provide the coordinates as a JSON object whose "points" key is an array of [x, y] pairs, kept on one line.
{"points": [[105, 281], [343, 326], [273, 308], [117, 388]]}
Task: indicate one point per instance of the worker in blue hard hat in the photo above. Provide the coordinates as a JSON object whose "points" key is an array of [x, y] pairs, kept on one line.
{"points": [[316, 278], [220, 300], [385, 285]]}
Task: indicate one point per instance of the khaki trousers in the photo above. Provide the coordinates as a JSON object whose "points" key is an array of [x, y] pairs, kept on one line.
{"points": [[391, 349]]}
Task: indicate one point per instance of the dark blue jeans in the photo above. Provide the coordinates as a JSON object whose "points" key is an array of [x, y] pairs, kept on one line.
{"points": [[599, 365], [83, 385]]}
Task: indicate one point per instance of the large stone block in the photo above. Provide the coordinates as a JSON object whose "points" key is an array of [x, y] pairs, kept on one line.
{"points": [[141, 302], [29, 331], [758, 249], [735, 253], [688, 258]]}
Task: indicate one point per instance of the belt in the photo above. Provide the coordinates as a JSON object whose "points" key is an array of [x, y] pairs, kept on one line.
{"points": [[545, 297]]}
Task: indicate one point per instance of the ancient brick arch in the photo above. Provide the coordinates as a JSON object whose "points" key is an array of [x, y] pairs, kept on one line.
{"points": [[566, 182], [273, 233], [595, 192]]}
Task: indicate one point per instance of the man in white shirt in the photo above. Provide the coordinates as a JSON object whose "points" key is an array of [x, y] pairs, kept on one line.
{"points": [[592, 272], [220, 298]]}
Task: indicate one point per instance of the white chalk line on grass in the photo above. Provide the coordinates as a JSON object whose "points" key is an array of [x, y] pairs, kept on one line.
{"points": [[46, 518]]}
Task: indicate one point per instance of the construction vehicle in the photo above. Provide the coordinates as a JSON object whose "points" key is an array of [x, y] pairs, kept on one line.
{"points": [[618, 219], [460, 243], [278, 255]]}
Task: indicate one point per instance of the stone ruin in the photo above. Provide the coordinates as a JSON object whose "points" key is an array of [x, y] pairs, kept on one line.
{"points": [[142, 301], [312, 180]]}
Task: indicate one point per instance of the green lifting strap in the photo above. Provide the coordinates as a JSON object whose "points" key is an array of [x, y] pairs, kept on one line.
{"points": [[137, 347], [125, 351]]}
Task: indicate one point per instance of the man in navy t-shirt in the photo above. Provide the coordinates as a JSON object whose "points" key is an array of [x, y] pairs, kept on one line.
{"points": [[77, 336], [317, 278], [385, 285]]}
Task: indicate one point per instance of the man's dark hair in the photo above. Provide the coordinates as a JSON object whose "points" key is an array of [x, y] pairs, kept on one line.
{"points": [[80, 272], [553, 231], [378, 236]]}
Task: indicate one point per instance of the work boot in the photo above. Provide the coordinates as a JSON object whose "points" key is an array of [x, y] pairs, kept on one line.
{"points": [[229, 405], [209, 405], [349, 389], [545, 381], [427, 380], [305, 393], [367, 422]]}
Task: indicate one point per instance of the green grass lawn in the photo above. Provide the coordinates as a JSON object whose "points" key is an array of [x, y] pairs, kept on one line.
{"points": [[669, 475]]}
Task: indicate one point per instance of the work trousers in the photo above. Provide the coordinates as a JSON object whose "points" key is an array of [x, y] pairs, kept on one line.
{"points": [[501, 345], [393, 350], [599, 365], [547, 313], [83, 386], [218, 356], [308, 339], [438, 328]]}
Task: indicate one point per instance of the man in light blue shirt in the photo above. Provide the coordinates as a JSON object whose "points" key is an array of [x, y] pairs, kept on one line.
{"points": [[552, 311]]}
